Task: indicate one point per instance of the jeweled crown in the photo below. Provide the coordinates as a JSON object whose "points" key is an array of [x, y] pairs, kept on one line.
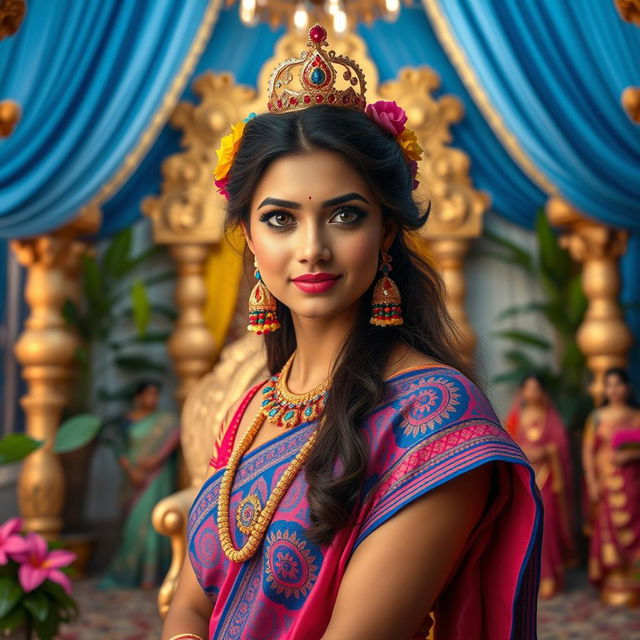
{"points": [[316, 79]]}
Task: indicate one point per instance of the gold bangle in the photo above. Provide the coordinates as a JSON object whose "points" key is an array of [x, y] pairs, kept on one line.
{"points": [[186, 636]]}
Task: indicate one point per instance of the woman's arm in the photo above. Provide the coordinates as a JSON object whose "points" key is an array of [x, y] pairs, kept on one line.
{"points": [[190, 608], [397, 573]]}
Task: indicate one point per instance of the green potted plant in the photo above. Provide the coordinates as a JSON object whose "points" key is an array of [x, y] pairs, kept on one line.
{"points": [[35, 590]]}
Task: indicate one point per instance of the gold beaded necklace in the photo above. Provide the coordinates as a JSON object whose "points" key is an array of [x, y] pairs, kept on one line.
{"points": [[287, 410]]}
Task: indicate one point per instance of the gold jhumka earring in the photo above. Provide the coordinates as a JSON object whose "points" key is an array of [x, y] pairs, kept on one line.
{"points": [[263, 317], [386, 309]]}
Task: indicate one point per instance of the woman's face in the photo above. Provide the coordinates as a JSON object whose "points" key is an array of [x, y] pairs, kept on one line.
{"points": [[615, 389], [316, 231], [148, 398], [532, 391]]}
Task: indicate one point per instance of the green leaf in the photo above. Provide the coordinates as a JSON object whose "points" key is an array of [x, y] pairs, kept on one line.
{"points": [[47, 628], [14, 619], [520, 360], [554, 261], [10, 593], [143, 257], [76, 432], [17, 446], [59, 595], [576, 302], [149, 337], [92, 278], [532, 307], [524, 337], [515, 253], [161, 309], [514, 377], [37, 604], [141, 306], [125, 392], [116, 256], [139, 363]]}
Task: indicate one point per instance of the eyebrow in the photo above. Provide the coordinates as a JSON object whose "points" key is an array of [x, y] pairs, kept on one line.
{"points": [[289, 204]]}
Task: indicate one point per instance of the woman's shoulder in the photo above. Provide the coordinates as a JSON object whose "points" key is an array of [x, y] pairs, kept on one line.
{"points": [[429, 397]]}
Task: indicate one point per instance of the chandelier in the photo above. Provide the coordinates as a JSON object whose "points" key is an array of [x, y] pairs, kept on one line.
{"points": [[301, 14]]}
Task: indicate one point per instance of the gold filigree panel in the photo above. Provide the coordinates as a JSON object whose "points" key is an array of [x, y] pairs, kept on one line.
{"points": [[629, 10], [631, 103], [457, 207], [11, 16]]}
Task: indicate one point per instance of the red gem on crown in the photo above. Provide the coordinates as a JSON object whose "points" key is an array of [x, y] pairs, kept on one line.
{"points": [[317, 34]]}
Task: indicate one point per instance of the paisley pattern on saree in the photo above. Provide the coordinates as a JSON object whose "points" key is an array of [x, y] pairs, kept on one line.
{"points": [[432, 425]]}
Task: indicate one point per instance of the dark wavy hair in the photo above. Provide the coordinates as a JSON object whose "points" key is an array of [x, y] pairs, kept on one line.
{"points": [[336, 467]]}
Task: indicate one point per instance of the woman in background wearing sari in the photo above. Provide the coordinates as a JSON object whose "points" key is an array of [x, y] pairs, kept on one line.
{"points": [[611, 460], [147, 444], [535, 424]]}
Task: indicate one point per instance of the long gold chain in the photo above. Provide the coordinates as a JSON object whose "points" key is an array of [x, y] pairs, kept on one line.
{"points": [[262, 519]]}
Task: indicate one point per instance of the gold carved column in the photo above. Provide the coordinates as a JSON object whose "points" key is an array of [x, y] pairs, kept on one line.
{"points": [[188, 216], [456, 207], [603, 337], [46, 351]]}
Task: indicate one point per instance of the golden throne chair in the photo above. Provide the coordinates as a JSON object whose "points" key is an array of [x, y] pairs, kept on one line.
{"points": [[241, 365]]}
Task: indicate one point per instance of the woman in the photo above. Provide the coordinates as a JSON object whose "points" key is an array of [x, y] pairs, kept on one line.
{"points": [[536, 426], [611, 460], [367, 482], [148, 441]]}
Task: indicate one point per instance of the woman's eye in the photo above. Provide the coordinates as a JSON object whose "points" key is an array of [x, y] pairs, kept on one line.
{"points": [[278, 219], [347, 216]]}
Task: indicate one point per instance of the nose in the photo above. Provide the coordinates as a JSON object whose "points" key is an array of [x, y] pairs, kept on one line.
{"points": [[313, 248]]}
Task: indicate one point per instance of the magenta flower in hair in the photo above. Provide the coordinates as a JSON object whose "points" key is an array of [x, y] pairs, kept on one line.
{"points": [[388, 115]]}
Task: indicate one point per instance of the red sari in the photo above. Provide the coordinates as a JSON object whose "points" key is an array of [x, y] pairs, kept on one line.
{"points": [[614, 550], [553, 477]]}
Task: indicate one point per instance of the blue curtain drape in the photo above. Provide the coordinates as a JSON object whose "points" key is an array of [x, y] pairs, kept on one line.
{"points": [[554, 72], [89, 77]]}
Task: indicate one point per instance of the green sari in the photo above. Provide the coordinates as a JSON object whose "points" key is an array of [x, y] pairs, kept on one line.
{"points": [[143, 558]]}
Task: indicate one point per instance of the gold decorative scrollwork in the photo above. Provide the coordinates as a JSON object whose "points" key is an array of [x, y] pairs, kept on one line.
{"points": [[631, 103], [629, 10], [11, 16], [9, 117]]}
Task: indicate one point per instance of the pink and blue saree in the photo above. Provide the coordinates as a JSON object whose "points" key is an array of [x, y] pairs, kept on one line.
{"points": [[432, 426]]}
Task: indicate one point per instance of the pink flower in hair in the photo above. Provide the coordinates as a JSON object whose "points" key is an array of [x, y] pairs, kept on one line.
{"points": [[11, 543], [39, 564], [388, 115]]}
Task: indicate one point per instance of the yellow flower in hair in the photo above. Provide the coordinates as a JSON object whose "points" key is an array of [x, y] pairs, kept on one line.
{"points": [[228, 148], [409, 143]]}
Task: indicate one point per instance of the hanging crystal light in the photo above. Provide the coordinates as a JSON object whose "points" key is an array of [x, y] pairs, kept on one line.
{"points": [[301, 17], [339, 21], [248, 12]]}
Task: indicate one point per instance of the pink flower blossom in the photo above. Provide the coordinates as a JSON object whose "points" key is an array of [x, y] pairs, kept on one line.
{"points": [[11, 543], [388, 115], [39, 564]]}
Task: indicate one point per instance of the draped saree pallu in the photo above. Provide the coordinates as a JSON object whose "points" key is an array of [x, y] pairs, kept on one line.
{"points": [[553, 477], [433, 425]]}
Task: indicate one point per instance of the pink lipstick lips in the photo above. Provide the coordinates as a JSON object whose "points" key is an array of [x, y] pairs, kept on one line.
{"points": [[315, 282]]}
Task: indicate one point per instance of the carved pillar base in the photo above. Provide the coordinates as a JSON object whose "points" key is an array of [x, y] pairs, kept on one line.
{"points": [[46, 351], [603, 337], [191, 345], [450, 253]]}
